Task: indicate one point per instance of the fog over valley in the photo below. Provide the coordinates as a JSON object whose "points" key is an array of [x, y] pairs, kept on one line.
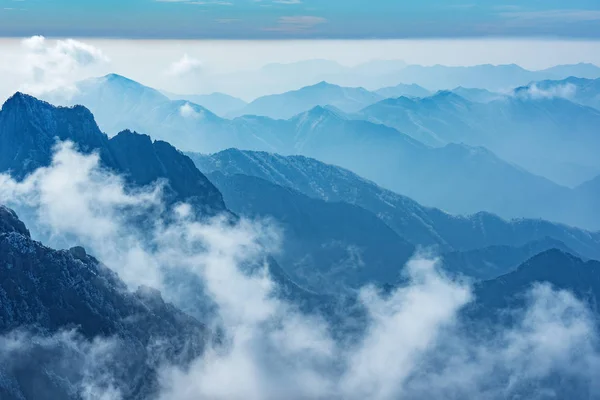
{"points": [[312, 217]]}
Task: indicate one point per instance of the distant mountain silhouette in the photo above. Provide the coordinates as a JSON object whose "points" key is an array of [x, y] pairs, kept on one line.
{"points": [[219, 103], [286, 105], [458, 178], [477, 95], [405, 90], [548, 135], [579, 90]]}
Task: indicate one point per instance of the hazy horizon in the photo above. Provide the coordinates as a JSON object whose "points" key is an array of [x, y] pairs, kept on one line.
{"points": [[206, 66]]}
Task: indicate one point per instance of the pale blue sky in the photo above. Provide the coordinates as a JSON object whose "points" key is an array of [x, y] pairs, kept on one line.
{"points": [[276, 19]]}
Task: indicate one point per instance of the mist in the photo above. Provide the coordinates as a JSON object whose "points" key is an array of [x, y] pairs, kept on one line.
{"points": [[417, 340], [37, 65]]}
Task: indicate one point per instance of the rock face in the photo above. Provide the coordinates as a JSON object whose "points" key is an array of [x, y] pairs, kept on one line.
{"points": [[48, 291], [29, 129], [9, 222]]}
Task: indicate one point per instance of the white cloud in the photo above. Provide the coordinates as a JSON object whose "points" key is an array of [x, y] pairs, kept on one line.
{"points": [[566, 91], [74, 197], [52, 65], [415, 344], [403, 327], [187, 111], [184, 66]]}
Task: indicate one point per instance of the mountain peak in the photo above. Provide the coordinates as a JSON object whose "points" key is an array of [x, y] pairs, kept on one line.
{"points": [[36, 109], [322, 85], [20, 99], [324, 112], [117, 77], [10, 222], [552, 259], [127, 133], [446, 94], [121, 82]]}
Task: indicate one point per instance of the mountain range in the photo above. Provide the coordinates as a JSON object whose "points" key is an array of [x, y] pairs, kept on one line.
{"points": [[278, 77], [71, 303], [29, 129], [341, 231], [289, 104], [549, 136], [454, 177], [220, 103], [579, 90], [326, 246], [25, 120], [533, 131], [419, 225]]}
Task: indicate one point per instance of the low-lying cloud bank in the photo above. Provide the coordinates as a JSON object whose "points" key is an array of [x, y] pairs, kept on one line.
{"points": [[417, 343], [564, 91]]}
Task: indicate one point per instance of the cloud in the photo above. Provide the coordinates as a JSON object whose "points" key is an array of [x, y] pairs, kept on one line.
{"points": [[417, 342], [297, 24], [184, 66], [288, 1], [566, 91], [74, 197], [86, 367], [187, 111], [52, 66], [402, 328], [553, 336]]}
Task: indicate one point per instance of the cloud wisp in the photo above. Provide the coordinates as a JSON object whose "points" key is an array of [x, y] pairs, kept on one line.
{"points": [[185, 65], [533, 91], [49, 66], [416, 343], [188, 111]]}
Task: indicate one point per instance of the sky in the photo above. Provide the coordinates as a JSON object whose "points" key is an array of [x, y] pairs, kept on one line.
{"points": [[285, 19]]}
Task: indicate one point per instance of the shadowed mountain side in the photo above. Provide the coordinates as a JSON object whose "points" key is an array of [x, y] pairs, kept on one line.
{"points": [[48, 291], [422, 226], [493, 261], [560, 269], [326, 245], [29, 129]]}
